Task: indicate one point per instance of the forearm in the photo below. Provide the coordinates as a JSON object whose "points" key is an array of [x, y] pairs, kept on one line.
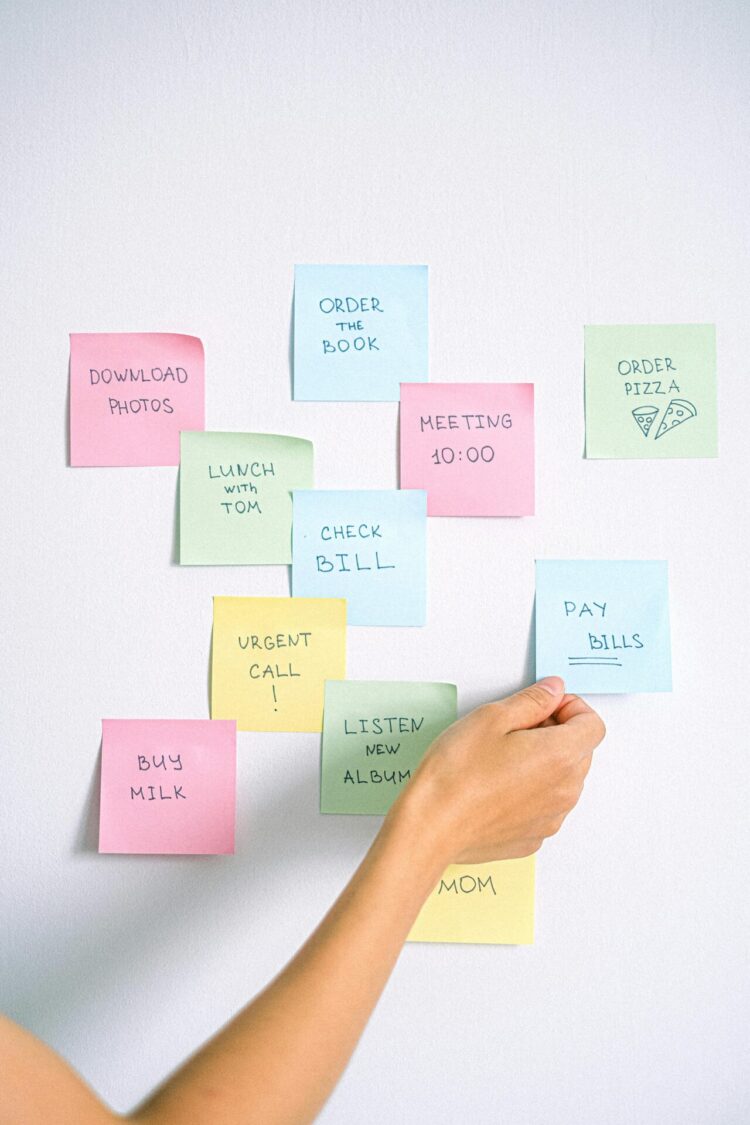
{"points": [[279, 1059], [492, 786]]}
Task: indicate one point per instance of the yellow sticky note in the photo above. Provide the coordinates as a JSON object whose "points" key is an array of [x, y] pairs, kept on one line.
{"points": [[487, 903], [271, 657]]}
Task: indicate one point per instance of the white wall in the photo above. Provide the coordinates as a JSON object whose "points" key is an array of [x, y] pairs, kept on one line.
{"points": [[555, 164]]}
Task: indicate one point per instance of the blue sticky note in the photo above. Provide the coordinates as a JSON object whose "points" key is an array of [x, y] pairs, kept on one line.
{"points": [[603, 625], [367, 547], [359, 332]]}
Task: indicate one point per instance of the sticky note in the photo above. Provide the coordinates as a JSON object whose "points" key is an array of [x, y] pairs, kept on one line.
{"points": [[604, 625], [130, 395], [470, 445], [651, 390], [359, 331], [485, 903], [366, 546], [374, 736], [236, 496], [168, 786], [270, 658]]}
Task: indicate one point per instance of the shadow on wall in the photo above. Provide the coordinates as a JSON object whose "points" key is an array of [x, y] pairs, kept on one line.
{"points": [[209, 678], [529, 666], [175, 556], [279, 839], [291, 350], [87, 836], [276, 840], [67, 418]]}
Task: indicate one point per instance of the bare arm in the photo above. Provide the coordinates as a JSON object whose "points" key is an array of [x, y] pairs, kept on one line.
{"points": [[492, 786], [38, 1087], [280, 1058]]}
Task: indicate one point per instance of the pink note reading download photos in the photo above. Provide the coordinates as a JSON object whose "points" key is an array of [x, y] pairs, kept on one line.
{"points": [[470, 445], [168, 786], [130, 395]]}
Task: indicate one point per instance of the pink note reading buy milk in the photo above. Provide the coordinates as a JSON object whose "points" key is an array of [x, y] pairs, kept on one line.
{"points": [[130, 395], [168, 786], [470, 445]]}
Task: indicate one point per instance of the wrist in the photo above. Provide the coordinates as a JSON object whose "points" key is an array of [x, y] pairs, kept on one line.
{"points": [[418, 834]]}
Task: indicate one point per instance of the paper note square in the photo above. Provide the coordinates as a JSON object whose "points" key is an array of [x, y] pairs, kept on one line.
{"points": [[168, 786], [130, 395], [651, 390], [366, 546], [270, 658], [359, 331], [374, 736], [604, 625], [470, 445], [236, 496], [485, 903]]}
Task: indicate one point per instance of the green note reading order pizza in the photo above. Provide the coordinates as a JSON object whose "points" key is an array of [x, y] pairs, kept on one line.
{"points": [[236, 496], [650, 390], [374, 736]]}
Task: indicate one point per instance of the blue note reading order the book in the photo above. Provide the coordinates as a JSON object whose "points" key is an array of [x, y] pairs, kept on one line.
{"points": [[359, 332], [603, 625]]}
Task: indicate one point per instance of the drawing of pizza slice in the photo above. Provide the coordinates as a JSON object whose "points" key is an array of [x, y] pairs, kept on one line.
{"points": [[678, 411], [645, 416]]}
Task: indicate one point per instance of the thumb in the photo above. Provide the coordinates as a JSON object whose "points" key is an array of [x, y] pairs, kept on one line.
{"points": [[533, 705]]}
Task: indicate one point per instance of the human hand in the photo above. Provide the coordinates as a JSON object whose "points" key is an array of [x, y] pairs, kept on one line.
{"points": [[499, 781]]}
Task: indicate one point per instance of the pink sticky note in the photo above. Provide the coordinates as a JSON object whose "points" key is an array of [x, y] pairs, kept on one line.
{"points": [[470, 445], [130, 395], [168, 786]]}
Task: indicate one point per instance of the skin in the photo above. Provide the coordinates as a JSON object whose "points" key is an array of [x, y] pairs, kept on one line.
{"points": [[493, 786]]}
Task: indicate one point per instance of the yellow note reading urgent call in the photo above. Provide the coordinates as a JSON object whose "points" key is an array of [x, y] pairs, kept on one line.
{"points": [[271, 658]]}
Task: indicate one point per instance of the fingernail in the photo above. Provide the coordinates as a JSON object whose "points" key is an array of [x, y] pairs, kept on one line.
{"points": [[552, 684]]}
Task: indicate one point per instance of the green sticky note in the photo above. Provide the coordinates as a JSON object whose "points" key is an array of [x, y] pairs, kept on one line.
{"points": [[236, 496], [650, 390], [374, 736]]}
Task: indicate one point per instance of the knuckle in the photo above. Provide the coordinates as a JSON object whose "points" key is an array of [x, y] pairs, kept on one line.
{"points": [[573, 796], [554, 826], [600, 729], [566, 798], [575, 759], [491, 713], [581, 773], [565, 756]]}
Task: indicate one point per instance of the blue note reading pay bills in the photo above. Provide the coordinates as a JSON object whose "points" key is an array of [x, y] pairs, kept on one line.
{"points": [[603, 625]]}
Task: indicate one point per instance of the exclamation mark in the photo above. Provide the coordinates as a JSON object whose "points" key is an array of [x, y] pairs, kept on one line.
{"points": [[273, 689]]}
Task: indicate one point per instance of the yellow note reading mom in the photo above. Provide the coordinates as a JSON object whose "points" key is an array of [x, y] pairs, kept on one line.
{"points": [[487, 903], [271, 657]]}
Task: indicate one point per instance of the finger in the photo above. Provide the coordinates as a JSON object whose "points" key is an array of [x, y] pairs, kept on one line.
{"points": [[560, 710], [530, 707], [568, 706], [581, 721]]}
